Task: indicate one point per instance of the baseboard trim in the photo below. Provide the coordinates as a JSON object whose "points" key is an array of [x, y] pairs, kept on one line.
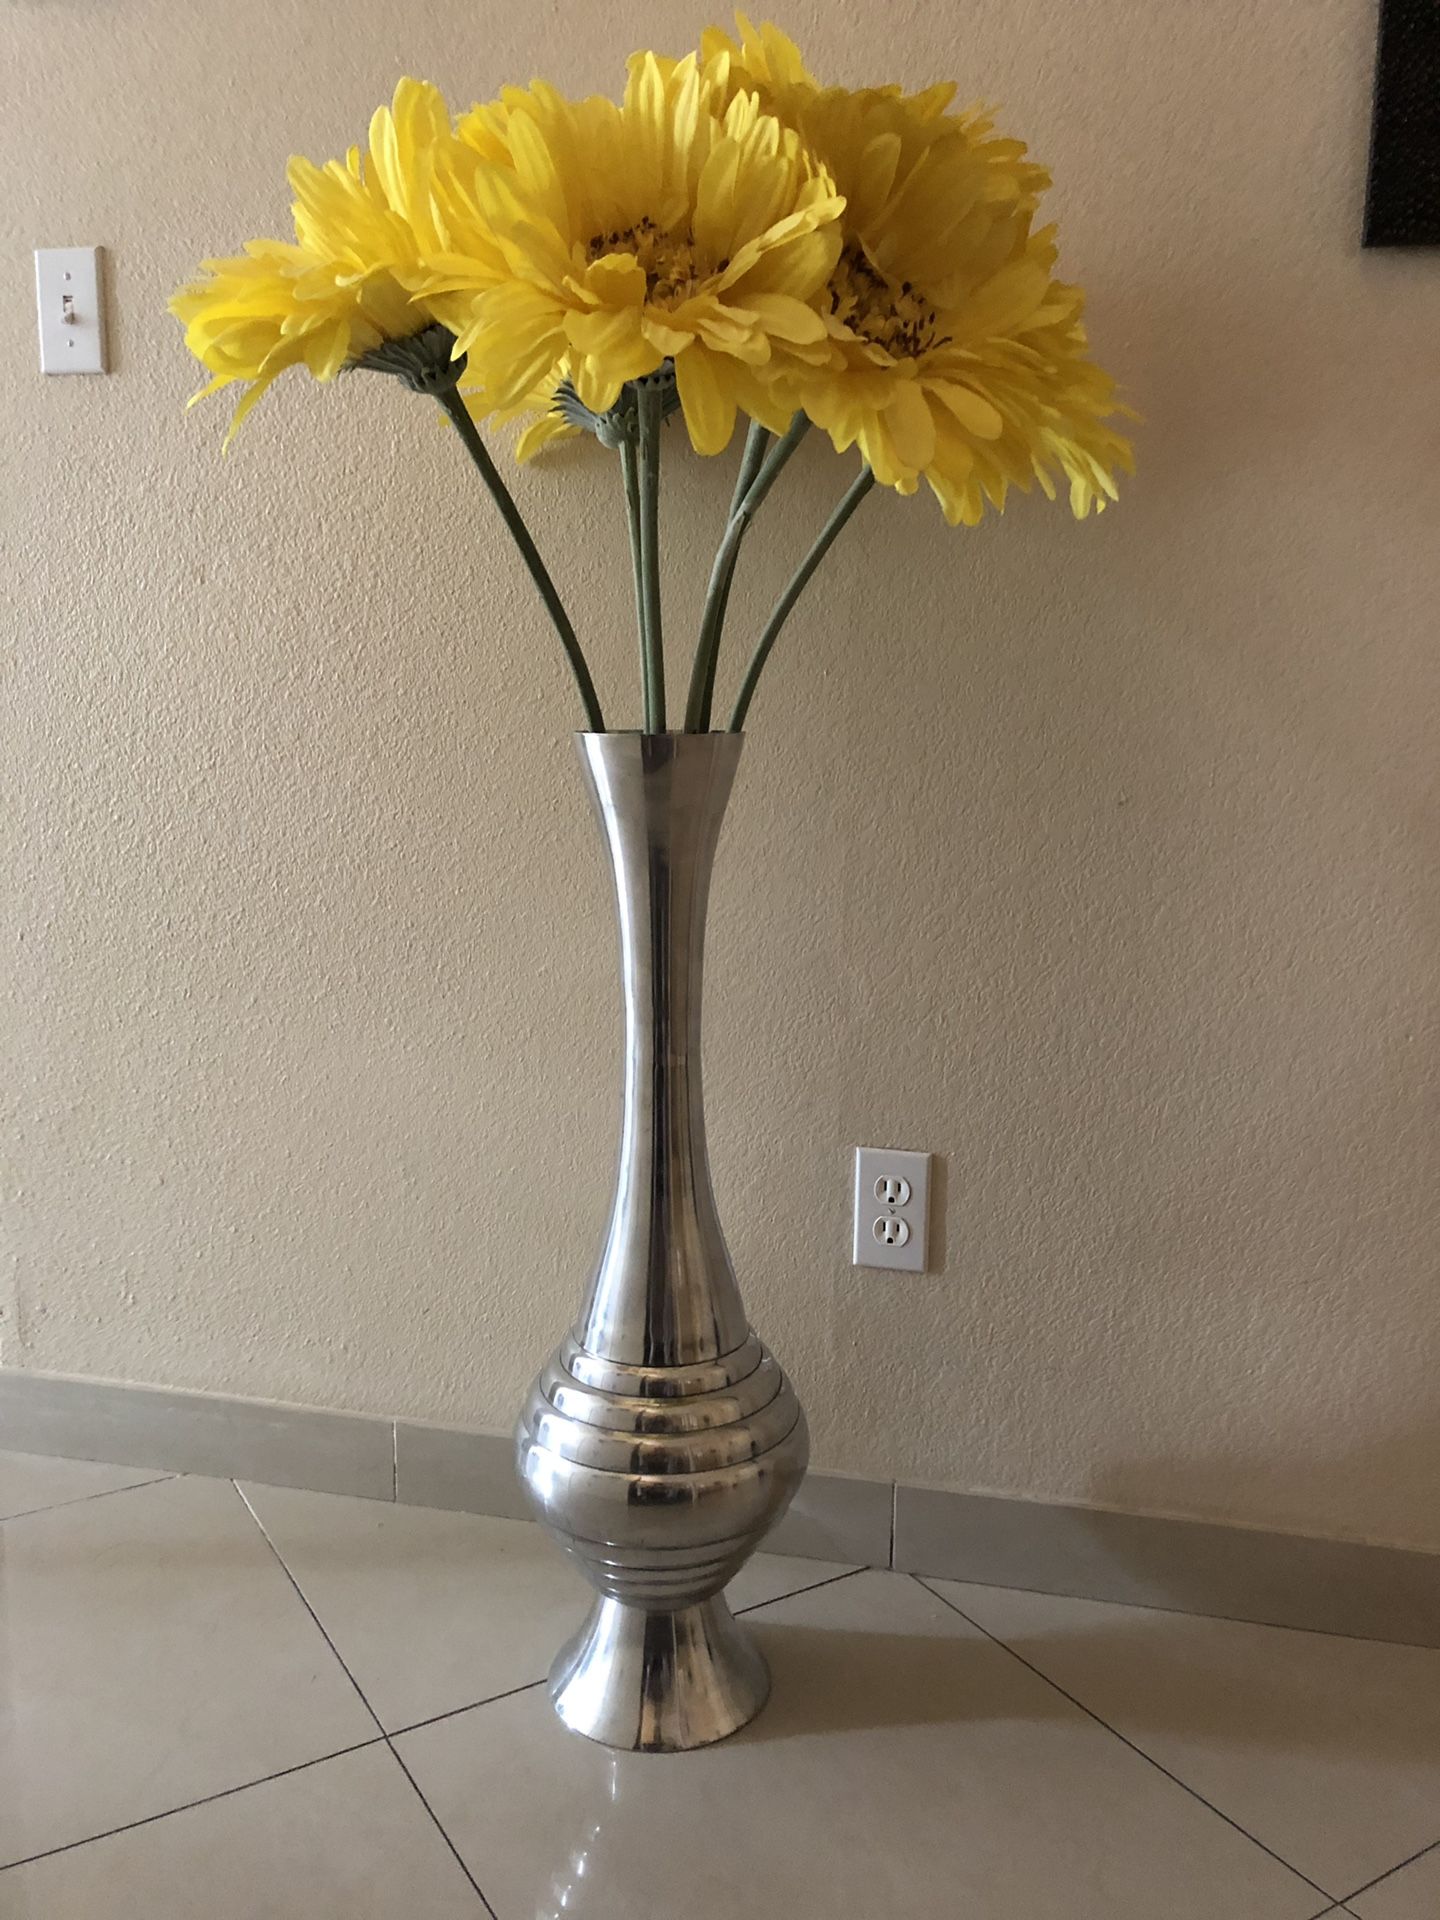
{"points": [[210, 1433], [1180, 1566], [1185, 1566]]}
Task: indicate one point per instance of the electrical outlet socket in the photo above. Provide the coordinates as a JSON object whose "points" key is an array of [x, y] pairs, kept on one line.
{"points": [[892, 1209]]}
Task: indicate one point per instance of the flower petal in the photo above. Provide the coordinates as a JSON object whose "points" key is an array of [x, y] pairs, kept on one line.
{"points": [[908, 422], [974, 413], [786, 318], [707, 400]]}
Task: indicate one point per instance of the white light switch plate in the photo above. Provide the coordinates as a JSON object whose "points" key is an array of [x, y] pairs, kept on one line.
{"points": [[72, 325], [892, 1209]]}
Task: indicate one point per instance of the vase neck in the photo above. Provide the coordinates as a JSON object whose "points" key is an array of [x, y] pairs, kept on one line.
{"points": [[664, 1292]]}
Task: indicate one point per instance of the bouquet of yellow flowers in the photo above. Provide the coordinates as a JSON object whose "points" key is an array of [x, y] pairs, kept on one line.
{"points": [[729, 238]]}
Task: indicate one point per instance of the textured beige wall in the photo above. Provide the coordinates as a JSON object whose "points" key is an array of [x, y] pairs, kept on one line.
{"points": [[1099, 860]]}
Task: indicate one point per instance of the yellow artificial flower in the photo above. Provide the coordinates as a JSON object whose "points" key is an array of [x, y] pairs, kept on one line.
{"points": [[345, 284], [958, 357], [593, 242]]}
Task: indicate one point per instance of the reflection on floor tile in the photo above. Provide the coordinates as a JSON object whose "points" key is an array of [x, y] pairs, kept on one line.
{"points": [[434, 1610], [347, 1839], [152, 1652], [1326, 1749], [31, 1481], [1413, 1893], [906, 1766]]}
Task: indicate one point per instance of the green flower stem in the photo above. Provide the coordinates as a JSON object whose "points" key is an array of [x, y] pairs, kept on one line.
{"points": [[799, 581], [632, 516], [717, 598], [767, 466], [650, 404], [751, 461], [459, 414]]}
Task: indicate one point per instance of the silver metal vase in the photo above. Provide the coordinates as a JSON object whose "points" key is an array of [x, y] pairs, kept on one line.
{"points": [[661, 1441]]}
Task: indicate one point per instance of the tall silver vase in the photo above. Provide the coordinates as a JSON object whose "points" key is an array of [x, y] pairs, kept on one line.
{"points": [[662, 1440]]}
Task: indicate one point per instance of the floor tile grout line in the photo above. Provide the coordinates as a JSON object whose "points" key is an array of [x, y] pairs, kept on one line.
{"points": [[1149, 1758], [186, 1806], [793, 1593], [1408, 1861], [360, 1691], [83, 1499], [304, 1601], [470, 1706], [435, 1818]]}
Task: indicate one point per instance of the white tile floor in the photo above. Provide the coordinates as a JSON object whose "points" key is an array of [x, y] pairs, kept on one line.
{"points": [[227, 1703]]}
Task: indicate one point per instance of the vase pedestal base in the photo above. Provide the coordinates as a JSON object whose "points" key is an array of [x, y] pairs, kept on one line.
{"points": [[659, 1682]]}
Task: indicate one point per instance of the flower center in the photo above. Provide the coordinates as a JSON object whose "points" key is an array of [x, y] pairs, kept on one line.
{"points": [[668, 260], [899, 319]]}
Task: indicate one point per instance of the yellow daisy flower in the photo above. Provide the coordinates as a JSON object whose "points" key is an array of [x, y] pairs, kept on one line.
{"points": [[672, 226], [343, 286], [957, 355]]}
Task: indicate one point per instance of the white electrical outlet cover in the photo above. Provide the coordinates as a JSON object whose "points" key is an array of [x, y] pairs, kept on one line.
{"points": [[892, 1209], [67, 294]]}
